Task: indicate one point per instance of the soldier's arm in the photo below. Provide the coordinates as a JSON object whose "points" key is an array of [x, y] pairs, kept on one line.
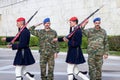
{"points": [[106, 45], [56, 45], [85, 32], [9, 39], [57, 49], [60, 39], [33, 31]]}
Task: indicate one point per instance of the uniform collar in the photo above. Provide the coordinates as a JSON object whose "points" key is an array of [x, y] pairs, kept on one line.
{"points": [[48, 30]]}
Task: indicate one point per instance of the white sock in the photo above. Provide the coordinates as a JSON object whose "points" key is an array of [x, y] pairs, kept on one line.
{"points": [[70, 71], [77, 72], [23, 70], [18, 72], [70, 76]]}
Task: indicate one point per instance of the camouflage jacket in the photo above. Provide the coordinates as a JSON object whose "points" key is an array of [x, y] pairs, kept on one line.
{"points": [[97, 41], [46, 45]]}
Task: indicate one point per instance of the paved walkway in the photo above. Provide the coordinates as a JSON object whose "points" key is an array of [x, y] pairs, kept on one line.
{"points": [[111, 66]]}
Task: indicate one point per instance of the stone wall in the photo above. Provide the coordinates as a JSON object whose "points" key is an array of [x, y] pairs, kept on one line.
{"points": [[59, 11]]}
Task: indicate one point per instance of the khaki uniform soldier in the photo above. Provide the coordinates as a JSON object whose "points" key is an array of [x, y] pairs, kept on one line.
{"points": [[97, 49], [47, 48]]}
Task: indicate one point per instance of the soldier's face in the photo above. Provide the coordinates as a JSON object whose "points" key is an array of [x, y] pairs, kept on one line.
{"points": [[20, 24], [97, 23], [47, 25], [72, 23]]}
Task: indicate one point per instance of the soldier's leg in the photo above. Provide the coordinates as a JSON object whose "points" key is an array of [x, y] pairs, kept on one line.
{"points": [[43, 64], [77, 72], [92, 67], [99, 63], [70, 72], [51, 63], [18, 72]]}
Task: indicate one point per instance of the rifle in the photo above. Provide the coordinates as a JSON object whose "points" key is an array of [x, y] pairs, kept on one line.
{"points": [[18, 34], [78, 26]]}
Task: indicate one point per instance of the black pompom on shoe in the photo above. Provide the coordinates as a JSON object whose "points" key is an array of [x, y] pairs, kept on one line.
{"points": [[31, 75], [83, 72]]}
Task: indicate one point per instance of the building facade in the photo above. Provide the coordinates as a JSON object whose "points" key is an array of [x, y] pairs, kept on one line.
{"points": [[59, 11]]}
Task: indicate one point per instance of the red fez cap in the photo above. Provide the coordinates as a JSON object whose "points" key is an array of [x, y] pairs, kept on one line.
{"points": [[20, 19], [73, 18]]}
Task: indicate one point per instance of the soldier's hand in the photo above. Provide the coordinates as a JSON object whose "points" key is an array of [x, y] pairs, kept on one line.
{"points": [[3, 39], [55, 55], [9, 46], [65, 39], [105, 56], [55, 39], [84, 23]]}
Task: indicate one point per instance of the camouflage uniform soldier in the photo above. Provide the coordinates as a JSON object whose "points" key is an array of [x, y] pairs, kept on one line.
{"points": [[97, 49], [47, 48]]}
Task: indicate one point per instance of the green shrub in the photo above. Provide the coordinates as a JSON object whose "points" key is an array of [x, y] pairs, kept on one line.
{"points": [[33, 41], [84, 42], [114, 43], [63, 46]]}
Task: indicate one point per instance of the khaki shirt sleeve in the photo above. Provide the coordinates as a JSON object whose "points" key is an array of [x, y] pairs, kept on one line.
{"points": [[106, 45], [56, 45], [85, 31], [33, 31]]}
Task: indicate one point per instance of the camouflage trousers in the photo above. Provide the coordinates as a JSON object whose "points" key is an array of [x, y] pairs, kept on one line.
{"points": [[95, 66], [47, 60]]}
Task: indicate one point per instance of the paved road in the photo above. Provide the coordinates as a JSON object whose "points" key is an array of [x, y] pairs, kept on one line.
{"points": [[111, 67]]}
